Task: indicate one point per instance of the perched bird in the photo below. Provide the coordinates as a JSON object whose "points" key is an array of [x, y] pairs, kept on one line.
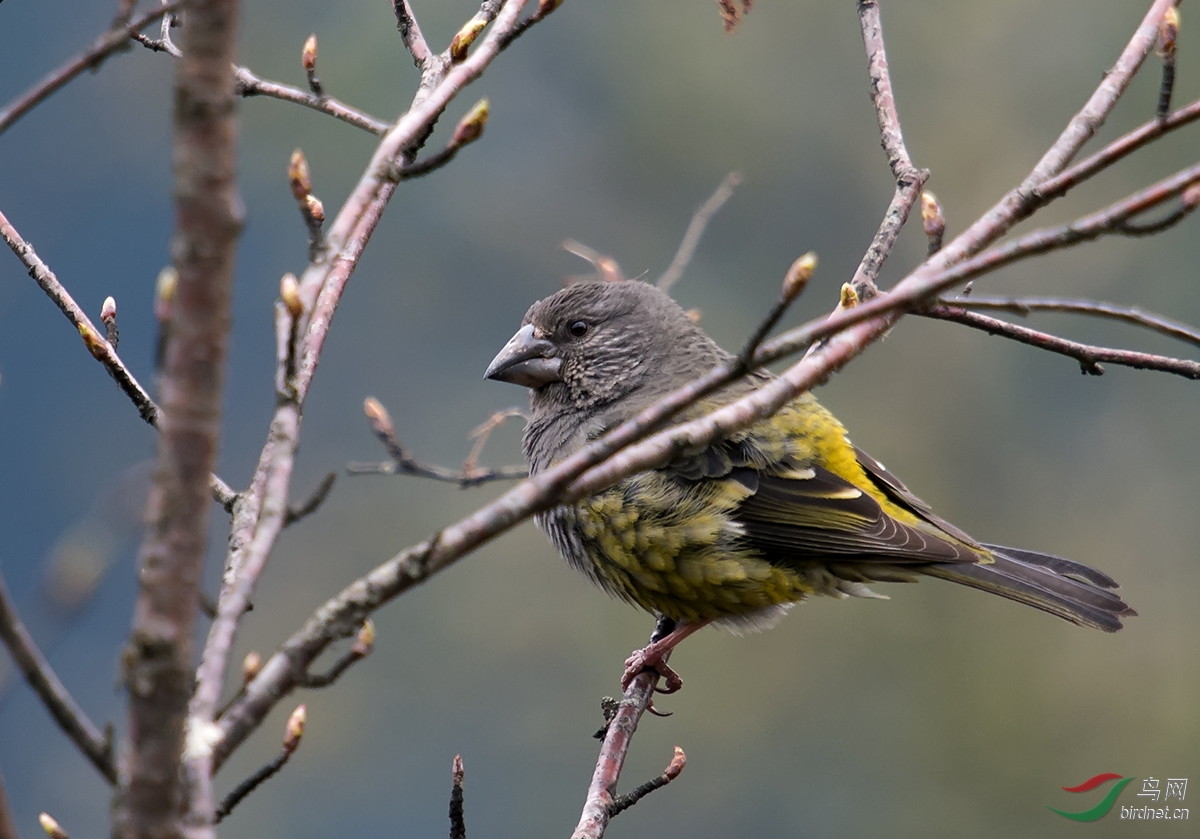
{"points": [[737, 532]]}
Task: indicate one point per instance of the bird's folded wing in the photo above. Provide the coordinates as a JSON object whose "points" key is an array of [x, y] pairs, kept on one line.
{"points": [[811, 513]]}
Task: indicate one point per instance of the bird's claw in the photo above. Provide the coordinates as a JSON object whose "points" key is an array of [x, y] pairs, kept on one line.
{"points": [[650, 709], [646, 659]]}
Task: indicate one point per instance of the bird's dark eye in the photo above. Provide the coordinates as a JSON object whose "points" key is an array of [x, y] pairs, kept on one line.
{"points": [[578, 329]]}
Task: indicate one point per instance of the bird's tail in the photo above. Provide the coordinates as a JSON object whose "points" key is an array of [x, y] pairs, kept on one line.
{"points": [[1062, 587]]}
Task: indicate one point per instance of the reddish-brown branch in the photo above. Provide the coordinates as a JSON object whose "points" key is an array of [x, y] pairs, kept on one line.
{"points": [[402, 463], [320, 291], [1110, 220], [1127, 314], [1116, 150], [100, 348], [410, 33], [248, 84], [1089, 356], [617, 738], [248, 559], [73, 720], [351, 229], [1025, 198], [909, 179], [90, 59], [159, 658]]}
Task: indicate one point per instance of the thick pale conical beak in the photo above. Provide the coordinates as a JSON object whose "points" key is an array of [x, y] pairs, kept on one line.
{"points": [[526, 360]]}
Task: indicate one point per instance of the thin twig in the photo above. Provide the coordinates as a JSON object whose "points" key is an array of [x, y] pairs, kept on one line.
{"points": [[169, 22], [545, 7], [624, 802], [310, 504], [91, 58], [364, 644], [123, 14], [617, 738], [1089, 356], [1167, 33], [402, 463], [1152, 228], [320, 291], [410, 32], [458, 827], [607, 268], [100, 349], [695, 230], [294, 732], [1115, 151], [794, 283], [96, 746], [1112, 311], [1108, 221], [483, 433], [469, 129], [909, 179], [248, 84], [253, 533]]}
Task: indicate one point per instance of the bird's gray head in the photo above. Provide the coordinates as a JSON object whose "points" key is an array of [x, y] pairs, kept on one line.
{"points": [[594, 343]]}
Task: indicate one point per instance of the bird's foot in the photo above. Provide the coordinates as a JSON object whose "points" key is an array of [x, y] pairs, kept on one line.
{"points": [[650, 658], [653, 656]]}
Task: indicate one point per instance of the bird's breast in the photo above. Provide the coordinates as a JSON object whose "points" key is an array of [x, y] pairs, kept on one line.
{"points": [[672, 548]]}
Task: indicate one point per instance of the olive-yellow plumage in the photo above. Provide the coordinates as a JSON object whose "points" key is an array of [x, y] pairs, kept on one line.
{"points": [[785, 509]]}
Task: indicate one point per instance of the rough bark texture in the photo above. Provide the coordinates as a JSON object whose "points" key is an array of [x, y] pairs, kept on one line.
{"points": [[158, 660]]}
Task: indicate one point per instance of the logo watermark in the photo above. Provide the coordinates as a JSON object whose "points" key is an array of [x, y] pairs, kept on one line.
{"points": [[1167, 792]]}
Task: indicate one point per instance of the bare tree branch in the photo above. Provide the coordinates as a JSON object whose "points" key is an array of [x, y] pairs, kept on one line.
{"points": [[100, 348], [158, 661], [1113, 219], [1089, 356], [695, 230], [1116, 150], [108, 43], [458, 827], [291, 741], [311, 504], [320, 291], [248, 84], [623, 802], [1128, 314], [410, 33], [401, 462], [73, 720], [598, 806], [909, 179], [249, 557]]}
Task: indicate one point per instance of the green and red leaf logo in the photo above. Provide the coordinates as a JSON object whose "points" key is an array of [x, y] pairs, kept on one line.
{"points": [[1106, 804]]}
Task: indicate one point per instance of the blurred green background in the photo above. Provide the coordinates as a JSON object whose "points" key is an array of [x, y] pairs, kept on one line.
{"points": [[942, 713]]}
